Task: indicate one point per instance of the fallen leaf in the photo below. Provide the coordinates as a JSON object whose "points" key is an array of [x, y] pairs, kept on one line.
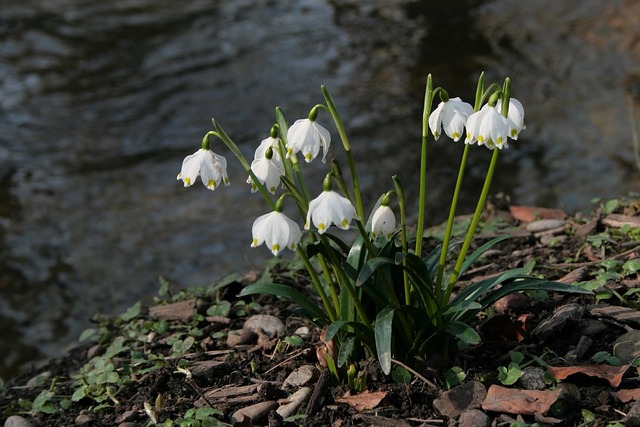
{"points": [[530, 213], [363, 401], [612, 374], [521, 402], [627, 395]]}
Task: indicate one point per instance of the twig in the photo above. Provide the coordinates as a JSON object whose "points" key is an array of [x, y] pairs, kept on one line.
{"points": [[426, 381]]}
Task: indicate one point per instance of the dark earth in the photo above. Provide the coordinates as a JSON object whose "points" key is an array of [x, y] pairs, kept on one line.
{"points": [[182, 352]]}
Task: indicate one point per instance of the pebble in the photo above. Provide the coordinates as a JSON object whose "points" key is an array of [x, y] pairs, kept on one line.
{"points": [[17, 421], [294, 402], [627, 347], [251, 414], [83, 420], [545, 225], [270, 325], [302, 331], [532, 378], [474, 418], [461, 398], [301, 376]]}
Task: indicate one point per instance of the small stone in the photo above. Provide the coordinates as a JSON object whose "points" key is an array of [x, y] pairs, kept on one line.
{"points": [[295, 401], [83, 419], [270, 325], [301, 376], [514, 301], [127, 424], [461, 398], [532, 378], [545, 225], [474, 418], [302, 331], [627, 347], [253, 413], [17, 421]]}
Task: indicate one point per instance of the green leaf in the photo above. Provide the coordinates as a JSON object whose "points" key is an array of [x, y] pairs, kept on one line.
{"points": [[468, 262], [462, 332], [283, 291], [132, 312], [221, 309], [453, 377], [345, 350], [370, 267], [383, 328], [400, 375], [510, 374]]}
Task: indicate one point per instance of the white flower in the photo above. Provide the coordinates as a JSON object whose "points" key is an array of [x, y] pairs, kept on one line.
{"points": [[211, 167], [308, 136], [276, 230], [515, 117], [487, 127], [268, 172], [383, 221], [452, 115], [266, 143], [330, 208]]}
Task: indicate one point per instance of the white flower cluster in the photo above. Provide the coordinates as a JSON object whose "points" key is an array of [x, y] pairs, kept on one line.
{"points": [[485, 127]]}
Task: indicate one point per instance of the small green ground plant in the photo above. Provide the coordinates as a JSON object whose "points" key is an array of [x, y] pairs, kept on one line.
{"points": [[381, 292]]}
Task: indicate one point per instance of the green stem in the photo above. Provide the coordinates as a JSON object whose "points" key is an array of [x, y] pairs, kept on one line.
{"points": [[403, 237], [316, 283], [221, 134], [428, 99], [347, 147], [474, 223], [449, 229]]}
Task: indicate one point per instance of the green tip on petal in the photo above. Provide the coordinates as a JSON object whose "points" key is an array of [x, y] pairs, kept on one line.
{"points": [[254, 243], [321, 227], [211, 184], [275, 249], [187, 181], [344, 223], [456, 135]]}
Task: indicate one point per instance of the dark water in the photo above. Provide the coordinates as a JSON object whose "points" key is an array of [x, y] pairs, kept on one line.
{"points": [[100, 102]]}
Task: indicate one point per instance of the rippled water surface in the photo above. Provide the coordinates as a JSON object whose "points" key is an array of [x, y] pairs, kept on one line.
{"points": [[101, 101]]}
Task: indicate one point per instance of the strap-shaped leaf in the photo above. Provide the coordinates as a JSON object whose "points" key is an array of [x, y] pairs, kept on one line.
{"points": [[345, 350], [283, 291], [370, 267], [463, 332], [468, 262], [383, 325]]}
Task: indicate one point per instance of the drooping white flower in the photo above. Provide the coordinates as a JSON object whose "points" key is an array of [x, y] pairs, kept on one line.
{"points": [[307, 137], [515, 117], [487, 127], [268, 172], [383, 221], [266, 143], [211, 167], [330, 208], [276, 230], [452, 116]]}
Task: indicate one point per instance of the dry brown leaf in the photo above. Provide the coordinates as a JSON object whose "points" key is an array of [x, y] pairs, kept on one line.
{"points": [[612, 374], [627, 395], [516, 401], [363, 401], [530, 213]]}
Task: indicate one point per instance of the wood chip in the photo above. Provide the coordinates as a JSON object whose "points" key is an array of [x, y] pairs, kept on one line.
{"points": [[182, 310]]}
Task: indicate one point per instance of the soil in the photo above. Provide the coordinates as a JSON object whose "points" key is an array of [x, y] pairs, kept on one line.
{"points": [[232, 375]]}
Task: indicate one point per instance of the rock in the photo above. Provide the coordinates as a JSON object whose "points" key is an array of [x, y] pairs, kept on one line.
{"points": [[253, 413], [558, 320], [17, 421], [464, 397], [545, 225], [301, 376], [474, 418], [302, 331], [627, 347], [270, 325], [295, 401], [532, 378], [83, 419]]}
